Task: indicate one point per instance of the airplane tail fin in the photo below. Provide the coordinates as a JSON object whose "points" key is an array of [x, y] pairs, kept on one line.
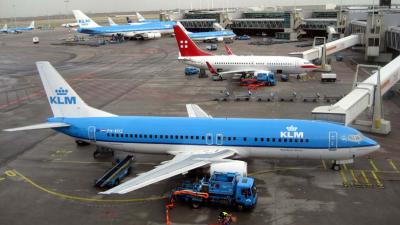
{"points": [[185, 45], [111, 22], [183, 28], [32, 25], [228, 50], [218, 26], [83, 20], [64, 101], [140, 18], [5, 27], [211, 69]]}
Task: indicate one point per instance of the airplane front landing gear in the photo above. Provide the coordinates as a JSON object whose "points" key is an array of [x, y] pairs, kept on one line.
{"points": [[335, 166]]}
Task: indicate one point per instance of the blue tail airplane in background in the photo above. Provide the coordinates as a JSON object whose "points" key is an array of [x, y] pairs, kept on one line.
{"points": [[195, 141], [5, 29], [139, 31]]}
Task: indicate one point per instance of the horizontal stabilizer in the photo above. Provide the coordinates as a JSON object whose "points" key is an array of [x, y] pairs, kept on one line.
{"points": [[39, 126]]}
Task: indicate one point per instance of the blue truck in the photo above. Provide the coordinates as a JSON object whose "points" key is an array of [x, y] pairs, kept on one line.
{"points": [[191, 70], [229, 189]]}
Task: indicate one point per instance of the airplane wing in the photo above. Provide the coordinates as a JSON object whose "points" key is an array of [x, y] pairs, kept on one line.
{"points": [[195, 111], [181, 163], [40, 126]]}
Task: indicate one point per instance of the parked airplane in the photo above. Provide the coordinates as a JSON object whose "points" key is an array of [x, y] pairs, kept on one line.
{"points": [[68, 25], [219, 35], [141, 31], [192, 55], [197, 140], [18, 29]]}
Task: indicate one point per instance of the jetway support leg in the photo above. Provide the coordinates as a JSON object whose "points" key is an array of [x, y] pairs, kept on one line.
{"points": [[325, 67], [378, 124]]}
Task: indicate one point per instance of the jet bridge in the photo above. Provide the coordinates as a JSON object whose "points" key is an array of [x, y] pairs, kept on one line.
{"points": [[331, 47], [364, 95]]}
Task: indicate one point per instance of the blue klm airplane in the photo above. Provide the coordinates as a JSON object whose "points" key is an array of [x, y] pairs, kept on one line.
{"points": [[5, 29], [140, 30], [197, 140]]}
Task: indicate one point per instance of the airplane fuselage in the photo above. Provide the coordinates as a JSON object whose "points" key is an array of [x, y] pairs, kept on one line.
{"points": [[226, 63], [271, 138]]}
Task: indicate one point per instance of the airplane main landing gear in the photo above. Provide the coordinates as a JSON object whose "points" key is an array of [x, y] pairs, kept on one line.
{"points": [[102, 151], [81, 143], [335, 166]]}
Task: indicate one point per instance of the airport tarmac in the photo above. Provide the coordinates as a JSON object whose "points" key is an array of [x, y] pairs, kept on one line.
{"points": [[46, 179]]}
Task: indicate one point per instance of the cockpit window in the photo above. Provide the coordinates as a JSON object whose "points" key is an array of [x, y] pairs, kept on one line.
{"points": [[355, 137]]}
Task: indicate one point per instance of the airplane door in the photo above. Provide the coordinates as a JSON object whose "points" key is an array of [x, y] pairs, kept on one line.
{"points": [[219, 140], [92, 133], [333, 139], [209, 139]]}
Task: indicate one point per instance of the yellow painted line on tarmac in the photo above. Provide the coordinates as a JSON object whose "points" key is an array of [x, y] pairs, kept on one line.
{"points": [[79, 162], [365, 177], [345, 181], [85, 199], [372, 162], [345, 167], [276, 169], [378, 181], [324, 164], [355, 179], [393, 165], [1, 179]]}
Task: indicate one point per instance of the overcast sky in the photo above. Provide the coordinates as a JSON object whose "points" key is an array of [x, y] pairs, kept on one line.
{"points": [[28, 8]]}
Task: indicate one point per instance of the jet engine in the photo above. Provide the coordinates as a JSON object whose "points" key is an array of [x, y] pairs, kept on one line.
{"points": [[220, 39], [233, 166], [152, 35]]}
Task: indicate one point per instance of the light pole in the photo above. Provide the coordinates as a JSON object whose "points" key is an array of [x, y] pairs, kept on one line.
{"points": [[66, 9]]}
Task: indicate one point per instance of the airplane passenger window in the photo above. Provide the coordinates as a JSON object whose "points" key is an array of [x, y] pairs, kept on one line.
{"points": [[261, 139], [166, 136], [245, 139], [112, 135], [191, 137], [279, 140], [284, 140], [219, 138], [135, 135], [197, 137], [209, 137], [108, 134], [186, 137], [150, 136], [306, 140], [181, 137], [290, 140], [171, 136], [126, 135], [229, 138], [301, 140], [255, 139], [234, 138], [156, 136], [273, 139], [203, 138], [117, 135], [176, 137], [267, 139], [295, 140], [161, 136], [131, 135]]}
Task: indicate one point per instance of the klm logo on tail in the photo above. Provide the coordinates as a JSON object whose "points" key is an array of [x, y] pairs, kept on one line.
{"points": [[84, 21], [291, 132], [62, 98]]}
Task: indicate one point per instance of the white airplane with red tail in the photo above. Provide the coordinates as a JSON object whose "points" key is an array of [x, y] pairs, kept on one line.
{"points": [[192, 55]]}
